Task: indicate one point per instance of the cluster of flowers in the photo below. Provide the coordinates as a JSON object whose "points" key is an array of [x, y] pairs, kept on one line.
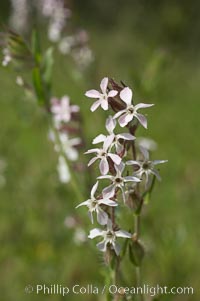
{"points": [[58, 15], [112, 166], [65, 124]]}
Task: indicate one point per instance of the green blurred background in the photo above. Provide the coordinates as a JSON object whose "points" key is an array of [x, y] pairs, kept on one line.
{"points": [[154, 47]]}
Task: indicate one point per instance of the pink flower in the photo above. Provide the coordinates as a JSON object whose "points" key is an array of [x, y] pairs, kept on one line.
{"points": [[103, 155], [94, 205], [109, 237], [146, 167], [127, 115], [114, 138], [62, 109], [102, 97]]}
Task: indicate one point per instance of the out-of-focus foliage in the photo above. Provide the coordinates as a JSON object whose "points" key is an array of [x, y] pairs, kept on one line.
{"points": [[153, 46]]}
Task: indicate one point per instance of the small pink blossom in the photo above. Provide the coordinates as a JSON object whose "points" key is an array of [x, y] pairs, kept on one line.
{"points": [[114, 138], [62, 109], [101, 96], [109, 237], [127, 115], [94, 205], [146, 167], [103, 154]]}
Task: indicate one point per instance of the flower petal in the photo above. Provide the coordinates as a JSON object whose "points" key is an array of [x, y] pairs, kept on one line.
{"points": [[126, 95], [125, 119], [90, 151], [102, 246], [115, 158], [155, 162], [92, 161], [156, 173], [98, 139], [122, 233], [102, 217], [95, 232], [142, 119], [93, 94], [103, 166], [104, 84], [119, 114], [145, 153], [116, 247], [126, 136], [83, 203], [143, 105], [105, 177], [110, 124], [112, 93], [108, 202], [120, 168], [131, 179], [132, 162], [95, 105], [108, 141], [109, 191], [94, 188], [104, 104]]}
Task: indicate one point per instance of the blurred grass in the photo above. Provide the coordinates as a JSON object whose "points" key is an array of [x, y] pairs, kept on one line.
{"points": [[157, 53]]}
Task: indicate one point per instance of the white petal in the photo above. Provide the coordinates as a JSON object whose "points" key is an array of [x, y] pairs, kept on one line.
{"points": [[115, 158], [94, 188], [95, 232], [74, 141], [102, 246], [102, 217], [126, 136], [155, 162], [142, 119], [95, 105], [122, 233], [145, 153], [90, 214], [90, 151], [93, 94], [92, 161], [86, 203], [126, 95], [109, 191], [72, 154], [112, 93], [109, 225], [131, 179], [143, 105], [103, 166], [75, 108], [108, 141], [117, 248], [104, 84], [108, 202], [98, 139], [119, 114], [125, 119], [120, 168], [156, 173], [110, 124], [132, 162], [105, 177], [104, 104]]}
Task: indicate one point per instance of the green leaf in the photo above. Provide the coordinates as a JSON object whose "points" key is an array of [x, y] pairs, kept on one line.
{"points": [[38, 85], [36, 47], [136, 253], [47, 66]]}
